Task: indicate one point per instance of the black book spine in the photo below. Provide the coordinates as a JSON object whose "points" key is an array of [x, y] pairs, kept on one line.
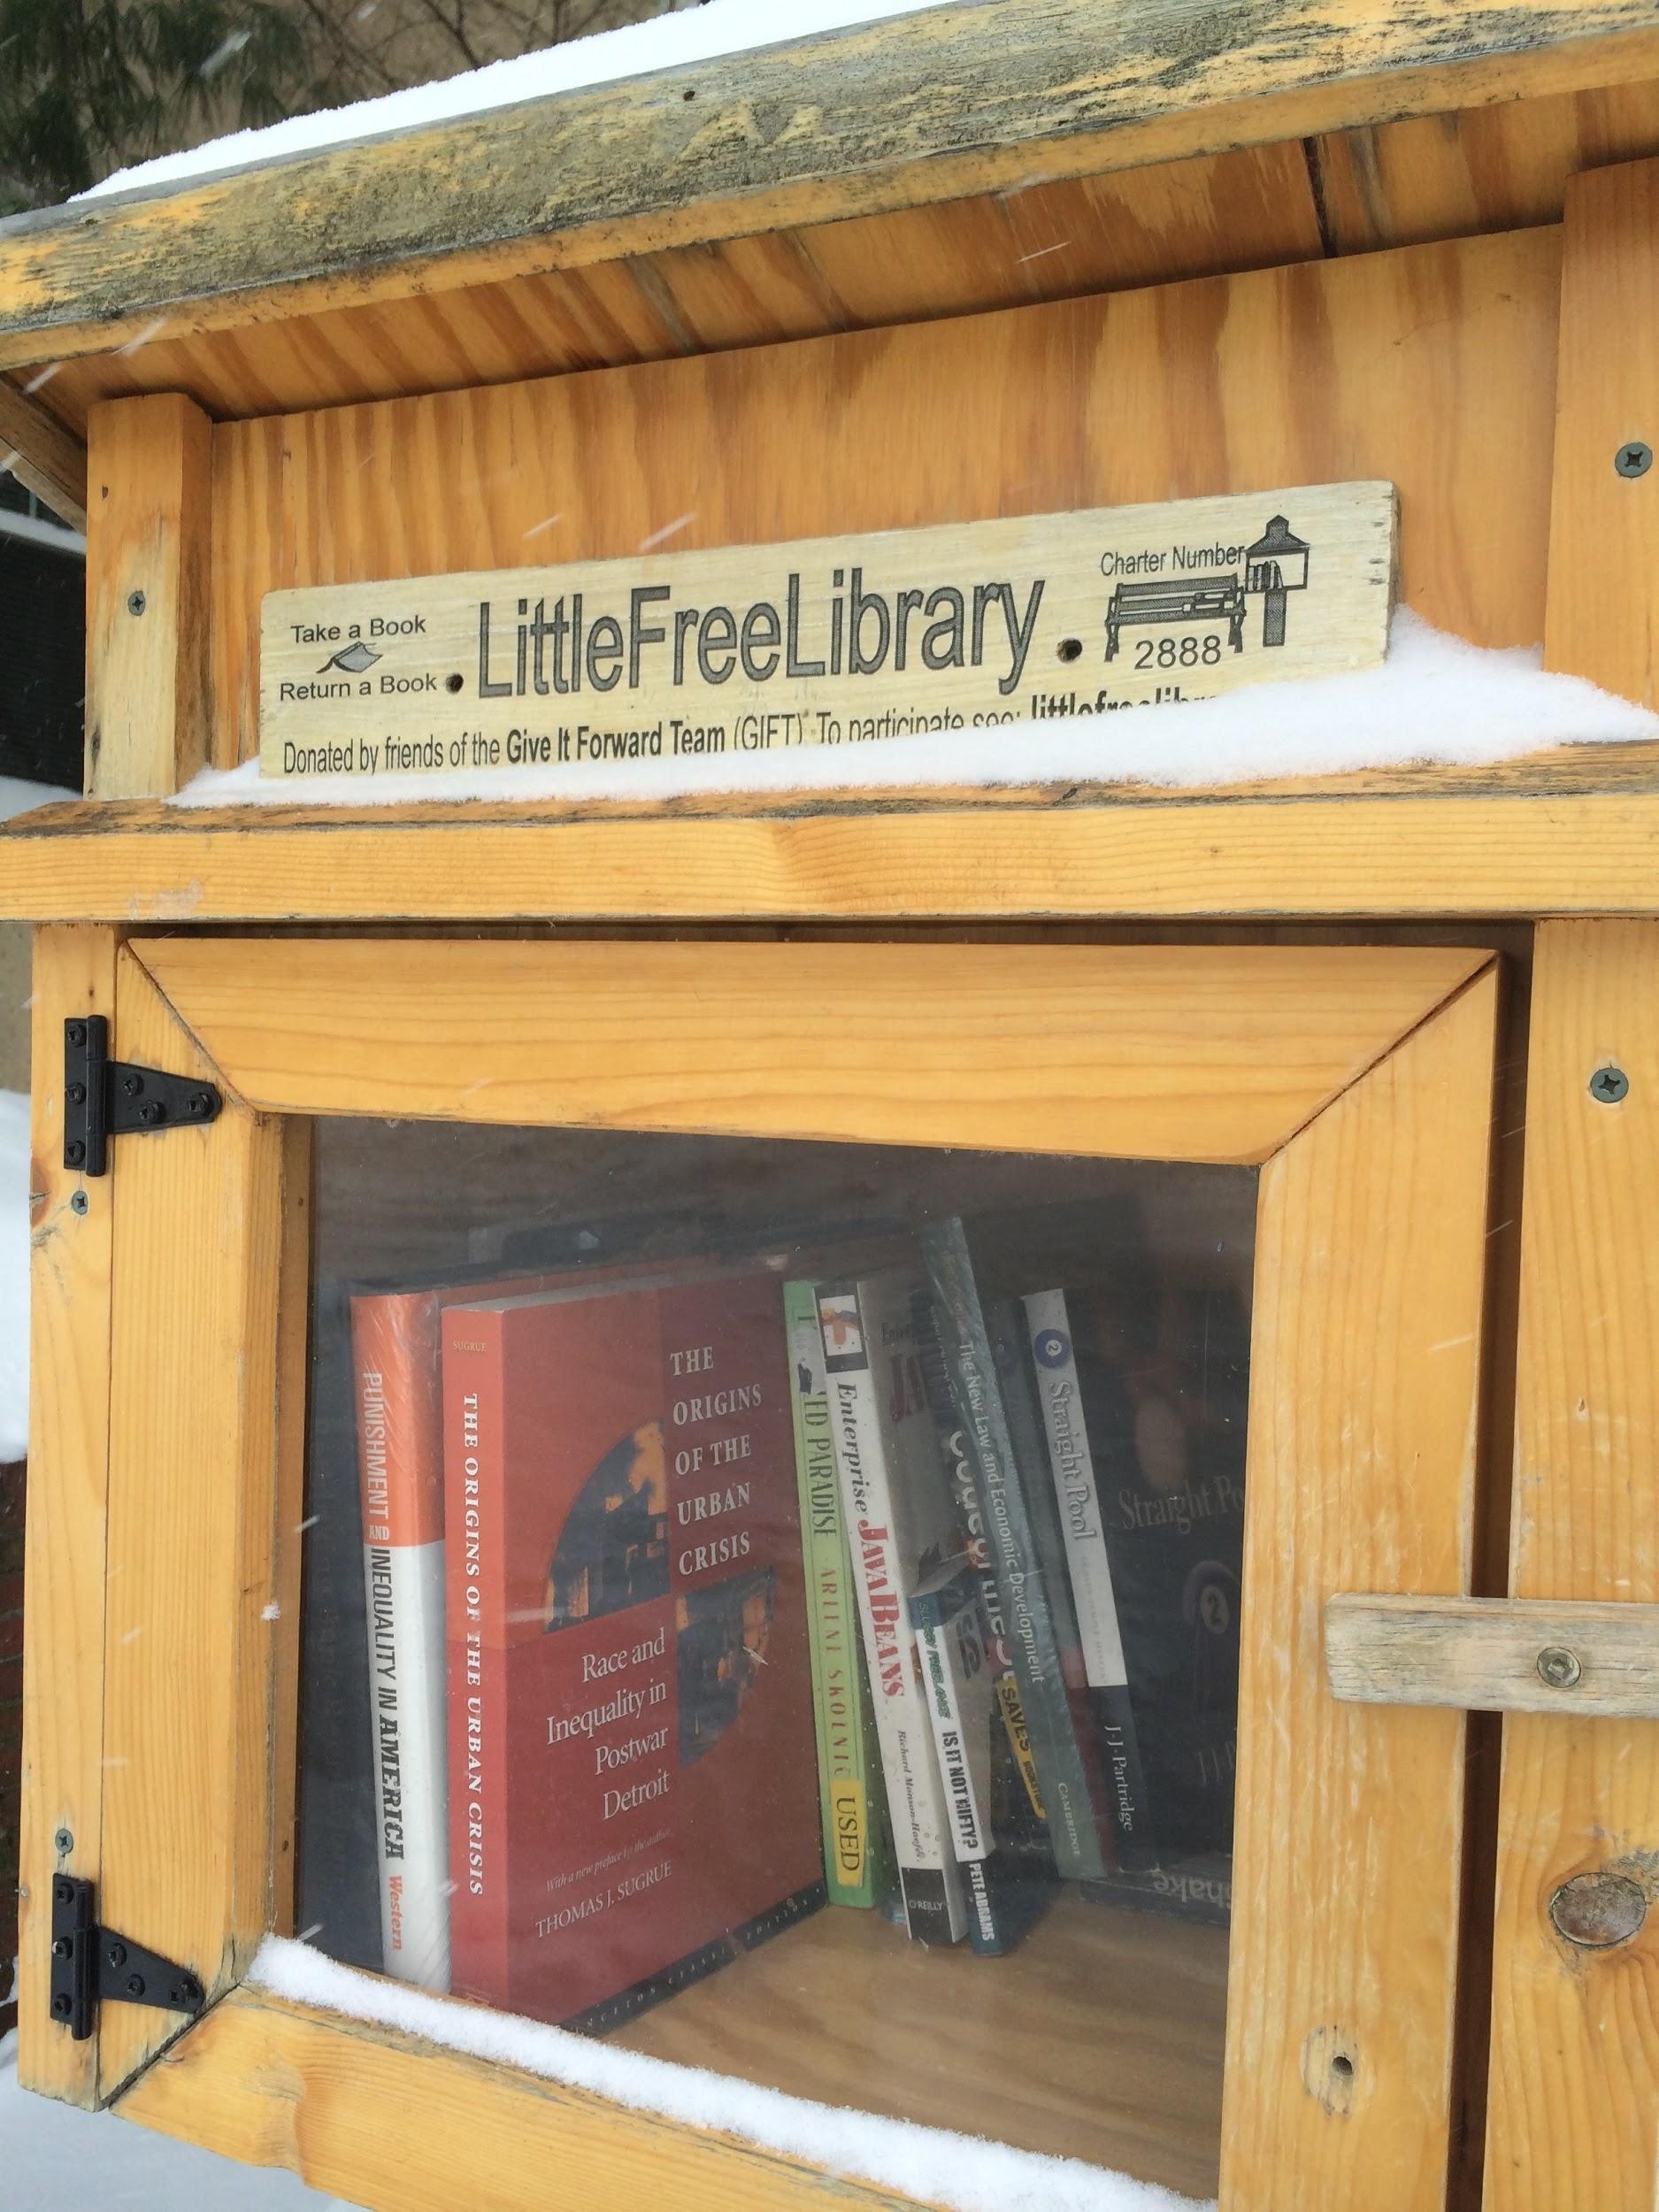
{"points": [[1029, 1597], [1076, 1468]]}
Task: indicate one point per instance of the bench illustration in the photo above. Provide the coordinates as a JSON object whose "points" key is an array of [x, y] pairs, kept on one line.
{"points": [[1192, 599]]}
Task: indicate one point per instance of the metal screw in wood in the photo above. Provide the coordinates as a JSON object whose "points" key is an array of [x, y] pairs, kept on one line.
{"points": [[1559, 1667], [1633, 458], [1608, 1085]]}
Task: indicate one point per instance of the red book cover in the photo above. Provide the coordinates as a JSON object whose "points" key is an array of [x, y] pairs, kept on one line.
{"points": [[633, 1768]]}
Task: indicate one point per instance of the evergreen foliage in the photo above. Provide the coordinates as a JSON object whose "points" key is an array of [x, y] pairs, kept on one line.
{"points": [[87, 86]]}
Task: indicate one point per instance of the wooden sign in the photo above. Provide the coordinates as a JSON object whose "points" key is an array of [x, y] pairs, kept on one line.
{"points": [[826, 641]]}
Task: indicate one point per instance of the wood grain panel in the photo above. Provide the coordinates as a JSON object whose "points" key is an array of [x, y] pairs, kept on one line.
{"points": [[1245, 209], [149, 709], [69, 1435], [1316, 859], [189, 1678], [1603, 618], [1489, 168], [1432, 367], [1139, 1052], [279, 2084], [1574, 2112], [1365, 1366], [925, 108]]}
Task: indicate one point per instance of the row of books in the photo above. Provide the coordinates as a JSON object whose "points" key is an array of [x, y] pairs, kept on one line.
{"points": [[697, 1597]]}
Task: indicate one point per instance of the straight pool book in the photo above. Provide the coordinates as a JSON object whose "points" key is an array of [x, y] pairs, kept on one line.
{"points": [[632, 1779]]}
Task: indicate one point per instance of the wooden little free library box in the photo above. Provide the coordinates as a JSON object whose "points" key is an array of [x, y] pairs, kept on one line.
{"points": [[1318, 1120]]}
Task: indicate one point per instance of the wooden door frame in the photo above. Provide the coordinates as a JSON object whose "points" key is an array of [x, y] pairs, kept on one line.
{"points": [[164, 1648]]}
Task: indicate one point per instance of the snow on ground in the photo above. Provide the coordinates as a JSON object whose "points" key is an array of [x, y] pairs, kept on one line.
{"points": [[965, 2172], [1435, 701], [55, 2159], [637, 50]]}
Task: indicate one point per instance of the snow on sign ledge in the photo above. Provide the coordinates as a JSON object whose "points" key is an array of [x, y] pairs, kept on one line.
{"points": [[965, 2172], [1434, 702]]}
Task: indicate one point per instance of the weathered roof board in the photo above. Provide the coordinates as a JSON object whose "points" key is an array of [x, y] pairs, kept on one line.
{"points": [[930, 107]]}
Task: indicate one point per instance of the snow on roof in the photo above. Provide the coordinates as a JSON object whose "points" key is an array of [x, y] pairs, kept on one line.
{"points": [[637, 50], [1436, 701]]}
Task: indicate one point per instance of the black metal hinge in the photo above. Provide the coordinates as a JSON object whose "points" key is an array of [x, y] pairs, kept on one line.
{"points": [[93, 1965], [105, 1098]]}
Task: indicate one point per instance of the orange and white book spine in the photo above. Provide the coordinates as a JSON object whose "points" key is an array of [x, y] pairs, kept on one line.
{"points": [[395, 1359]]}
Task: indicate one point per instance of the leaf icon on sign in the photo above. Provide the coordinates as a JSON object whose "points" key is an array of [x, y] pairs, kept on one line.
{"points": [[352, 658]]}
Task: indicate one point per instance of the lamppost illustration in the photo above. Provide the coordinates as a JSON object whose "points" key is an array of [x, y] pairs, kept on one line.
{"points": [[1275, 565]]}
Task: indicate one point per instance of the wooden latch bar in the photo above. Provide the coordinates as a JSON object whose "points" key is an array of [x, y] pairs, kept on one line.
{"points": [[1495, 1655]]}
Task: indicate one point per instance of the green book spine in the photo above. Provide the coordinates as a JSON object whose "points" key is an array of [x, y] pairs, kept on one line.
{"points": [[850, 1773]]}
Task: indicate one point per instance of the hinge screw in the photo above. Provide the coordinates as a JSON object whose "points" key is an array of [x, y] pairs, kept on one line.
{"points": [[1608, 1085], [200, 1102], [1633, 459], [1559, 1667], [62, 2006], [75, 1153], [152, 1110], [61, 1947], [116, 1954], [133, 1084], [76, 1093], [134, 1983], [77, 1032]]}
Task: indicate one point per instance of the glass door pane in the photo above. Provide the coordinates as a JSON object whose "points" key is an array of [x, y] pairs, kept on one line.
{"points": [[776, 1606]]}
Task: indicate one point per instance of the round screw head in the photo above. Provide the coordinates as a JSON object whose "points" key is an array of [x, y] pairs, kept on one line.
{"points": [[77, 1203], [136, 603], [134, 1983], [75, 1153], [1559, 1667], [62, 2006], [61, 1947], [116, 1954], [1608, 1085], [151, 1111], [1633, 458], [132, 1085], [64, 1843], [201, 1102], [76, 1094], [1596, 1912], [77, 1032]]}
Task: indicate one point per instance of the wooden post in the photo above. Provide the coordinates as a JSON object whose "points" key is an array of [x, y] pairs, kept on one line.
{"points": [[1573, 2121], [1573, 2114], [1601, 617], [148, 713], [69, 1429]]}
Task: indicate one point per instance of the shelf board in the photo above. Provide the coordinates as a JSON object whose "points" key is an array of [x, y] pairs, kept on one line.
{"points": [[1569, 832], [1100, 2039]]}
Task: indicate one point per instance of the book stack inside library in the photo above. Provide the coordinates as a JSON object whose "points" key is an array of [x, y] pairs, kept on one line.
{"points": [[778, 1604]]}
